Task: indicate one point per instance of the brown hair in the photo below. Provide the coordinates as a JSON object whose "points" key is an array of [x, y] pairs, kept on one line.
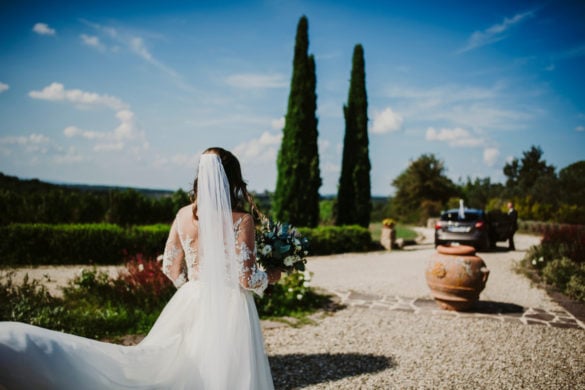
{"points": [[239, 194]]}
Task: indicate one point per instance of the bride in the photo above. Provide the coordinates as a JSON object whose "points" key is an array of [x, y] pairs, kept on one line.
{"points": [[207, 337]]}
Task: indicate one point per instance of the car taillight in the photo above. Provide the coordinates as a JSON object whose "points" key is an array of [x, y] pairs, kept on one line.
{"points": [[438, 225], [479, 225]]}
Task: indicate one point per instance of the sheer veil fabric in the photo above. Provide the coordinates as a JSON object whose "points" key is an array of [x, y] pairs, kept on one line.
{"points": [[207, 337]]}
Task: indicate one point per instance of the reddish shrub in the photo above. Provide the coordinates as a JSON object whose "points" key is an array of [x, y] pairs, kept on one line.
{"points": [[143, 278], [566, 240]]}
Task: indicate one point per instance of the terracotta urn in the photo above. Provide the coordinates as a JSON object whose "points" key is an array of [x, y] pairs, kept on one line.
{"points": [[456, 276]]}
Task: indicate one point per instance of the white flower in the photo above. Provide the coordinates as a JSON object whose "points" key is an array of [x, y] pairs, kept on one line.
{"points": [[290, 289], [299, 296], [305, 284], [297, 243], [140, 267], [306, 253], [533, 261], [307, 276], [289, 261], [541, 259], [266, 250]]}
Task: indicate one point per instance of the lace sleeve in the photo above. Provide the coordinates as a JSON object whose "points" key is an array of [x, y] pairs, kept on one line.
{"points": [[174, 258], [251, 278]]}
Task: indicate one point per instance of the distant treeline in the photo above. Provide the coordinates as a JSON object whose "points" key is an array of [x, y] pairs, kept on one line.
{"points": [[34, 201]]}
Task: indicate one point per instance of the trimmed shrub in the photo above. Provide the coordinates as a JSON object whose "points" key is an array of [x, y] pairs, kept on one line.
{"points": [[326, 240], [34, 244]]}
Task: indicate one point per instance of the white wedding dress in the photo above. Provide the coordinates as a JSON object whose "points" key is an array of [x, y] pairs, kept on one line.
{"points": [[207, 337]]}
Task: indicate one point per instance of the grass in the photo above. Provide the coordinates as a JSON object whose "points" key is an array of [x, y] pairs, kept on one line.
{"points": [[402, 231]]}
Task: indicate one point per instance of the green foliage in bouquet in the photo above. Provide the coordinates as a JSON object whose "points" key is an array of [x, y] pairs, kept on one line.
{"points": [[279, 245]]}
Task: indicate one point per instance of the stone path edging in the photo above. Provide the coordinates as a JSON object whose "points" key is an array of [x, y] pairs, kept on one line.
{"points": [[504, 312]]}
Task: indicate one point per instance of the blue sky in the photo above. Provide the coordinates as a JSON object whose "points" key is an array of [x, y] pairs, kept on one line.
{"points": [[130, 93]]}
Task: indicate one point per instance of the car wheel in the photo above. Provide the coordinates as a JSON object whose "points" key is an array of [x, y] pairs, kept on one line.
{"points": [[485, 245]]}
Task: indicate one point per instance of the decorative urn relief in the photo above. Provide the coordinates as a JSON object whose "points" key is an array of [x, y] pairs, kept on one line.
{"points": [[456, 276]]}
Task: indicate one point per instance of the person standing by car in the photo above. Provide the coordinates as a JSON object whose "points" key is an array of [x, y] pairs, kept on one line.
{"points": [[513, 215]]}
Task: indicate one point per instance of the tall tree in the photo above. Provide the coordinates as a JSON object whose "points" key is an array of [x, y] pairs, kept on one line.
{"points": [[572, 183], [354, 193], [421, 185], [532, 176], [296, 198], [478, 193]]}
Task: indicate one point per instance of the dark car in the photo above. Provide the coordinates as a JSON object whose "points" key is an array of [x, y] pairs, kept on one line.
{"points": [[468, 227]]}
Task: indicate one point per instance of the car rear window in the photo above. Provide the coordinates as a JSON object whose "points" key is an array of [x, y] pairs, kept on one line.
{"points": [[454, 216]]}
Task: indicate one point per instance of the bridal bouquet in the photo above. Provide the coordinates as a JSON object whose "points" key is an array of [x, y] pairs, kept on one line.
{"points": [[281, 246]]}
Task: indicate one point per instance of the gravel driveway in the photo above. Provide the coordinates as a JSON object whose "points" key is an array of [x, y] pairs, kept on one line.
{"points": [[372, 348]]}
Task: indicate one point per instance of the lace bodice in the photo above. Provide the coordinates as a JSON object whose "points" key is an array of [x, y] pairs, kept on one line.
{"points": [[181, 262]]}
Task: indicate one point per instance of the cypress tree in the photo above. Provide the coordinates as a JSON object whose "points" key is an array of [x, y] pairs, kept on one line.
{"points": [[296, 198], [354, 193]]}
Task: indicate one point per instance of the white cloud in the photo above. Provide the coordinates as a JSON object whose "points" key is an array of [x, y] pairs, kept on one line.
{"points": [[329, 167], [92, 41], [180, 159], [136, 45], [258, 159], [387, 121], [73, 131], [580, 128], [4, 87], [494, 33], [447, 93], [24, 140], [34, 143], [71, 156], [43, 29], [57, 92], [251, 80], [578, 51], [109, 147], [485, 116], [463, 106], [457, 137], [114, 140], [490, 156], [324, 145], [259, 150], [277, 124]]}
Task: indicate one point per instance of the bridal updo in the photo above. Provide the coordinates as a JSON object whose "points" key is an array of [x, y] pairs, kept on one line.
{"points": [[239, 194]]}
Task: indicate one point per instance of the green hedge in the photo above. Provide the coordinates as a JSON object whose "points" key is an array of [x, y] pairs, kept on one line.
{"points": [[33, 244], [36, 244], [326, 240]]}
